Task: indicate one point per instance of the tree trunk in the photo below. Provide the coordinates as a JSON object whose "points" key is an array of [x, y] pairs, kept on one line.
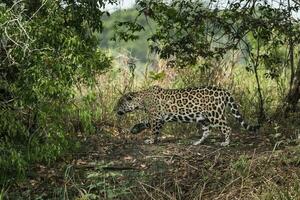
{"points": [[262, 115], [293, 96]]}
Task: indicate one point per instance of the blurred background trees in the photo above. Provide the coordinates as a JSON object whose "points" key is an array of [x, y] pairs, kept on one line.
{"points": [[266, 33]]}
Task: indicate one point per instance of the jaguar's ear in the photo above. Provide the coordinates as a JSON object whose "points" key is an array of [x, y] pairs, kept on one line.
{"points": [[129, 96]]}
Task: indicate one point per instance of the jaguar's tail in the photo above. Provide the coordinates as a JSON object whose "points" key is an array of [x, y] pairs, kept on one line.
{"points": [[235, 112]]}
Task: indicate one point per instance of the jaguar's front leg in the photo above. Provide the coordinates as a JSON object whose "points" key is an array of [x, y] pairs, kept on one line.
{"points": [[155, 126]]}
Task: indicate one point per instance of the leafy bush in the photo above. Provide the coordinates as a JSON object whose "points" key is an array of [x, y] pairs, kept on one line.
{"points": [[45, 52]]}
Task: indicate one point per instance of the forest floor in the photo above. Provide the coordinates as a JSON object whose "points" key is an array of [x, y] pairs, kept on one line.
{"points": [[253, 166]]}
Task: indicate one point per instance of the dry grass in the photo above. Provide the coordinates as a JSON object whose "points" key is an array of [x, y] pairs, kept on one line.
{"points": [[112, 164], [124, 168]]}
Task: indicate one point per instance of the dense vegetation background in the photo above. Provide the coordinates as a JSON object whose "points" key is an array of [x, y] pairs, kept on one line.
{"points": [[63, 65]]}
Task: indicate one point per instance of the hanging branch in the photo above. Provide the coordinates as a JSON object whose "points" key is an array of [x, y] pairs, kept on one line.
{"points": [[255, 64], [291, 47]]}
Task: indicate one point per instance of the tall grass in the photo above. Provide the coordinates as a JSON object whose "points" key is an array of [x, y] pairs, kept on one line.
{"points": [[96, 104]]}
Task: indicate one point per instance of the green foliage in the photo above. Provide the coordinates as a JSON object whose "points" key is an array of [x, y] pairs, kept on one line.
{"points": [[106, 183], [274, 192], [157, 76], [180, 29], [45, 52], [2, 194], [100, 182], [51, 87], [129, 31], [187, 30], [125, 24], [241, 166]]}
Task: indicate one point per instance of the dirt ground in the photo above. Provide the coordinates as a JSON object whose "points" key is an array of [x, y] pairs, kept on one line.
{"points": [[253, 166]]}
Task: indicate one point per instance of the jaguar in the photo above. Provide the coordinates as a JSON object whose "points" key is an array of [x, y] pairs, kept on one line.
{"points": [[204, 106]]}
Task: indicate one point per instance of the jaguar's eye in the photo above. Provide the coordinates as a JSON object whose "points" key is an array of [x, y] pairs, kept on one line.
{"points": [[129, 98]]}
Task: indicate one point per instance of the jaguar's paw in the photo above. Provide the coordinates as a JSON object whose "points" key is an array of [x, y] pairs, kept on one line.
{"points": [[149, 141]]}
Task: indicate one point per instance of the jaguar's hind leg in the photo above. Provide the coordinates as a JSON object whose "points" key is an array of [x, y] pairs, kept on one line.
{"points": [[226, 130], [205, 129], [206, 132]]}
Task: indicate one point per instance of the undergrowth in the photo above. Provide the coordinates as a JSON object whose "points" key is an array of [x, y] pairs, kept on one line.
{"points": [[230, 174]]}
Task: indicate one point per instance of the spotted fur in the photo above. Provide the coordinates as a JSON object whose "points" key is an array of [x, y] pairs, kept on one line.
{"points": [[205, 106]]}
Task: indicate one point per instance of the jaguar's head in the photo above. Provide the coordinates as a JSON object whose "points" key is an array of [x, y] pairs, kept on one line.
{"points": [[128, 103]]}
